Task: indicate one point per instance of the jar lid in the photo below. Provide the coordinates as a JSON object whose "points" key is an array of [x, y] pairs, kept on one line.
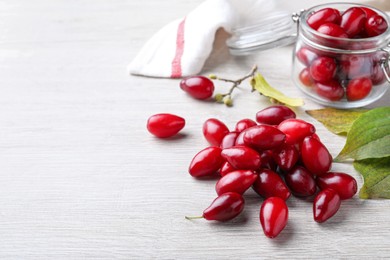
{"points": [[274, 30]]}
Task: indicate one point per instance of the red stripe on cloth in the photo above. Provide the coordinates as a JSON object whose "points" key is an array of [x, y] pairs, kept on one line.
{"points": [[176, 62]]}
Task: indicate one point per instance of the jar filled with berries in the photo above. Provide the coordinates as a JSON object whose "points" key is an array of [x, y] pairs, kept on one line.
{"points": [[341, 50], [341, 54]]}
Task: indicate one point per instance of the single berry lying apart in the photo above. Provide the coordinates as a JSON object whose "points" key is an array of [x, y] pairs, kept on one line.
{"points": [[198, 87], [165, 125]]}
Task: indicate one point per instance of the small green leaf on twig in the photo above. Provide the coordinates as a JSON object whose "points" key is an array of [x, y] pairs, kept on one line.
{"points": [[263, 87], [338, 121], [369, 136], [376, 173]]}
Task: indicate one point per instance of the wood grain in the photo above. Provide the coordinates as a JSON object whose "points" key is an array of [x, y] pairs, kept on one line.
{"points": [[82, 179]]}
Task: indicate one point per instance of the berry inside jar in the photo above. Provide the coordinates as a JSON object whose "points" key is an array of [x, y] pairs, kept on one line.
{"points": [[341, 55]]}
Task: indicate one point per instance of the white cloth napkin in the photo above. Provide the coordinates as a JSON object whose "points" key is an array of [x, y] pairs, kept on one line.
{"points": [[181, 47]]}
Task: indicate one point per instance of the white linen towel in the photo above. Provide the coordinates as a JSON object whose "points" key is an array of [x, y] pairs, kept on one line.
{"points": [[181, 47]]}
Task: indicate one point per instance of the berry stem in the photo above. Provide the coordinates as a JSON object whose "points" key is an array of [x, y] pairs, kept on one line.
{"points": [[238, 81], [193, 217], [226, 98]]}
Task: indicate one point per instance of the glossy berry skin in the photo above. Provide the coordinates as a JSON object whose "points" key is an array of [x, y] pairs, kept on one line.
{"points": [[240, 138], [356, 66], [226, 168], [331, 90], [315, 156], [301, 182], [198, 87], [377, 77], [274, 115], [267, 160], [368, 11], [264, 137], [326, 204], [375, 25], [286, 157], [273, 216], [214, 131], [333, 30], [206, 162], [345, 185], [353, 20], [165, 125], [306, 56], [242, 157], [225, 207], [244, 124], [305, 78], [229, 140], [323, 69], [358, 89], [236, 181], [270, 184], [325, 15], [296, 130]]}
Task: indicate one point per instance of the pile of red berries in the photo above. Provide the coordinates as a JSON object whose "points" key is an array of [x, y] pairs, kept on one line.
{"points": [[277, 156], [333, 75]]}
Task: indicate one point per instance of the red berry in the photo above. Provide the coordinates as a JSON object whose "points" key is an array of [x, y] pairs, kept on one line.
{"points": [[306, 56], [323, 69], [286, 157], [358, 89], [315, 136], [270, 184], [353, 20], [226, 168], [264, 137], [229, 140], [198, 87], [240, 138], [315, 156], [244, 124], [305, 78], [242, 157], [325, 15], [377, 77], [375, 25], [206, 162], [267, 160], [368, 11], [273, 115], [225, 207], [345, 185], [356, 66], [214, 131], [273, 216], [301, 182], [326, 204], [333, 30], [296, 130], [236, 181], [165, 125], [331, 90]]}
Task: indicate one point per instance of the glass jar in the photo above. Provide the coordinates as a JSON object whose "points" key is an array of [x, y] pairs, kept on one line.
{"points": [[361, 64]]}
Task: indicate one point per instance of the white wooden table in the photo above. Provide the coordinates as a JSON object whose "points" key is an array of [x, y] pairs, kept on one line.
{"points": [[81, 178]]}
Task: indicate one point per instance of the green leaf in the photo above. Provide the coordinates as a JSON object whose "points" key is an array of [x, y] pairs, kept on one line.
{"points": [[338, 121], [259, 83], [376, 173], [369, 136]]}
